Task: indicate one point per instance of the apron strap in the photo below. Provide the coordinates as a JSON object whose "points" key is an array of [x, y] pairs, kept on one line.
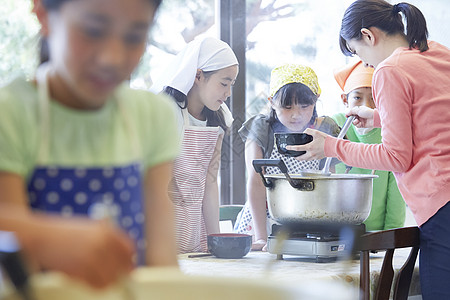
{"points": [[136, 144], [44, 112], [43, 104], [185, 114]]}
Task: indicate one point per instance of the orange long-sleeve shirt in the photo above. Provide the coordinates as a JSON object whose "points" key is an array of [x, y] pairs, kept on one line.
{"points": [[411, 90]]}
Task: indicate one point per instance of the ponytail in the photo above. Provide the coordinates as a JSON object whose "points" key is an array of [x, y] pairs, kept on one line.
{"points": [[416, 26], [179, 97], [215, 118], [379, 13]]}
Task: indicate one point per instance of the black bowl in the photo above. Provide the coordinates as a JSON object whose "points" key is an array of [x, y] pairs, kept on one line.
{"points": [[229, 245], [284, 139]]}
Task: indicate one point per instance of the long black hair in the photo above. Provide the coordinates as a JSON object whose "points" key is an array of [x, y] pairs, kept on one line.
{"points": [[295, 93], [213, 118], [44, 53], [385, 16]]}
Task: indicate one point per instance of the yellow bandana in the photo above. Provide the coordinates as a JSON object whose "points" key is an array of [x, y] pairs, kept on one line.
{"points": [[292, 73]]}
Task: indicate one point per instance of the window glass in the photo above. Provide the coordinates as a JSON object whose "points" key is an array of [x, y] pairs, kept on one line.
{"points": [[307, 32], [278, 31], [18, 36]]}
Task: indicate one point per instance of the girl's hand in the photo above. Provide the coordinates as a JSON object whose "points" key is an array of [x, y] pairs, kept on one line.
{"points": [[259, 245], [314, 149], [95, 252], [363, 116]]}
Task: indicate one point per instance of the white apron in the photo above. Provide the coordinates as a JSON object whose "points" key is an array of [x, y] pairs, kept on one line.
{"points": [[187, 188]]}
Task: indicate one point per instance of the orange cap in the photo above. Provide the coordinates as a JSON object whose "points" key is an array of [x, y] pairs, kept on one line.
{"points": [[353, 76]]}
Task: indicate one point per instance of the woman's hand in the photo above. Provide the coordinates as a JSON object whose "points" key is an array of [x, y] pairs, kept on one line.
{"points": [[363, 116], [314, 149]]}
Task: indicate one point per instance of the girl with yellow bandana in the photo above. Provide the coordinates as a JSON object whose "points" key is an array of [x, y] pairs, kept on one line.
{"points": [[294, 90]]}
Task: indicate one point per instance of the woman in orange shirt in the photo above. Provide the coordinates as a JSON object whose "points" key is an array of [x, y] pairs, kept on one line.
{"points": [[411, 89]]}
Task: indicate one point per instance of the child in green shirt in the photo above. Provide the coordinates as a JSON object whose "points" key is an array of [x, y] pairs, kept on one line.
{"points": [[388, 206]]}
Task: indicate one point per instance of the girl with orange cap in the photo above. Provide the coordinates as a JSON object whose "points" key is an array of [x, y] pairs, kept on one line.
{"points": [[388, 206], [294, 90]]}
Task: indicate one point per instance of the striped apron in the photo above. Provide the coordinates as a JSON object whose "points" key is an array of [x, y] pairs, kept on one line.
{"points": [[187, 187]]}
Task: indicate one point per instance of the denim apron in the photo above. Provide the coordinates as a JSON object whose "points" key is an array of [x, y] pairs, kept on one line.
{"points": [[187, 187], [113, 192]]}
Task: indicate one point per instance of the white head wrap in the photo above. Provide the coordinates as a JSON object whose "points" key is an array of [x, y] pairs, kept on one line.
{"points": [[205, 53]]}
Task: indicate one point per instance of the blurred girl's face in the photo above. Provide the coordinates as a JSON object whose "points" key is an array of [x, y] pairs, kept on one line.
{"points": [[295, 117], [359, 97], [215, 89], [94, 46]]}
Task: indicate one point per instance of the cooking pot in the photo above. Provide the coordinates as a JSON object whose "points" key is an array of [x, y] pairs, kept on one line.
{"points": [[316, 199]]}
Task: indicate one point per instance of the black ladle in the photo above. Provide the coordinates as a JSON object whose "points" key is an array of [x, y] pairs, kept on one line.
{"points": [[326, 168]]}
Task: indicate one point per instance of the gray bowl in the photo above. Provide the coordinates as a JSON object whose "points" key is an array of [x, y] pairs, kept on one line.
{"points": [[286, 139], [229, 245]]}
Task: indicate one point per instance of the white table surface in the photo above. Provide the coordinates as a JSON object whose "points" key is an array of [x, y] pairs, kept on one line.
{"points": [[294, 270]]}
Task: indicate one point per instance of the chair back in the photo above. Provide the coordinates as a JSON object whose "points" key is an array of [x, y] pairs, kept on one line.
{"points": [[229, 212], [388, 240]]}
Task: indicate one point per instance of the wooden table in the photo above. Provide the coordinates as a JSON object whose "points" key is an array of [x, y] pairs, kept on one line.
{"points": [[296, 271]]}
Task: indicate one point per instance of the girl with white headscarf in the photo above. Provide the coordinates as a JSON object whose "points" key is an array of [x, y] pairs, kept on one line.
{"points": [[200, 80]]}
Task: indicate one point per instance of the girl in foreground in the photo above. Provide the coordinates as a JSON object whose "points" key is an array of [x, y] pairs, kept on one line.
{"points": [[75, 138]]}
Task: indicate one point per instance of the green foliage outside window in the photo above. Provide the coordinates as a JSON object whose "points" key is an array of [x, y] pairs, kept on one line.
{"points": [[19, 39]]}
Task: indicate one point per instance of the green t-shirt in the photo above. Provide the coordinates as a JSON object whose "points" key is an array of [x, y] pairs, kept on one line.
{"points": [[388, 206], [79, 138]]}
